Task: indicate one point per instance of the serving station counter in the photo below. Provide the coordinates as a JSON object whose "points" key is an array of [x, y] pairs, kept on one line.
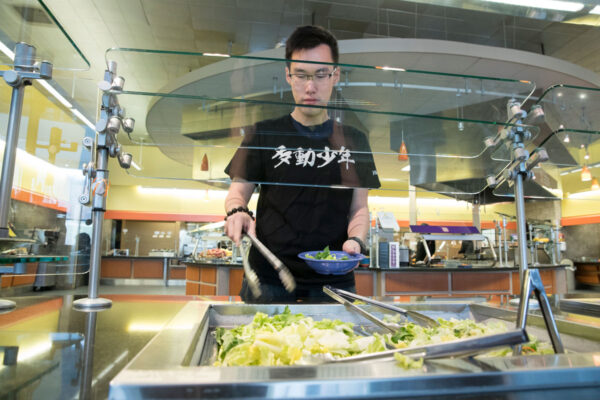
{"points": [[226, 280], [141, 270], [162, 370], [151, 347]]}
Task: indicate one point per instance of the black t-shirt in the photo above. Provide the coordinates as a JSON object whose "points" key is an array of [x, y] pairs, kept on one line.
{"points": [[297, 209]]}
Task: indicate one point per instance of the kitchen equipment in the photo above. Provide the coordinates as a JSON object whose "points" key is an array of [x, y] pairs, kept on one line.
{"points": [[332, 267], [285, 275]]}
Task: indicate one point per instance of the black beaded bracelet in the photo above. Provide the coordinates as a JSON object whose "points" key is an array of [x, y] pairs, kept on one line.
{"points": [[363, 248], [239, 209]]}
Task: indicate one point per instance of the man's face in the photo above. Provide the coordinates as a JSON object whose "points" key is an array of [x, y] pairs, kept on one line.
{"points": [[311, 83]]}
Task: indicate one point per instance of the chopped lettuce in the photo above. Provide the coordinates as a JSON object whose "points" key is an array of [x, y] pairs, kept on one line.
{"points": [[326, 255], [288, 339], [407, 362]]}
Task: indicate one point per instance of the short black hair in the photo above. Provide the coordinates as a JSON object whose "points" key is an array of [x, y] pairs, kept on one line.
{"points": [[308, 37]]}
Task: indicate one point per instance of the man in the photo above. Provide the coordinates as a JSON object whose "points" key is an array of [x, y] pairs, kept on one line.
{"points": [[296, 159]]}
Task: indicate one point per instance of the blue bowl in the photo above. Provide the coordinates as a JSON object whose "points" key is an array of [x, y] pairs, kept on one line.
{"points": [[332, 267]]}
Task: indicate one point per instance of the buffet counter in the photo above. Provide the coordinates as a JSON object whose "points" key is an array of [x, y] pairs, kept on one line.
{"points": [[141, 270], [588, 273], [149, 347], [226, 280]]}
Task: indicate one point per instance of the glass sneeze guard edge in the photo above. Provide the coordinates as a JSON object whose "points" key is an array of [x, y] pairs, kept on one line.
{"points": [[260, 58], [560, 85], [328, 107], [59, 26]]}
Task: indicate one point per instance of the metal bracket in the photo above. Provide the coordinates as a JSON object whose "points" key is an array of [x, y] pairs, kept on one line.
{"points": [[25, 69], [110, 121], [519, 170]]}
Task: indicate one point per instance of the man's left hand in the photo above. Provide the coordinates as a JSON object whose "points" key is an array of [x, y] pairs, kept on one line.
{"points": [[351, 247]]}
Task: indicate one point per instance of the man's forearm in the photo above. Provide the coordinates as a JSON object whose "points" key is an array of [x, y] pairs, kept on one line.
{"points": [[235, 200], [239, 195], [358, 226]]}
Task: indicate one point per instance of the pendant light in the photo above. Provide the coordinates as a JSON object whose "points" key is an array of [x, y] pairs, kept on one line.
{"points": [[403, 152], [595, 185], [586, 175]]}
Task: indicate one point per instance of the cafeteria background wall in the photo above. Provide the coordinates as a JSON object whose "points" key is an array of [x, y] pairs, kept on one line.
{"points": [[582, 241], [151, 234]]}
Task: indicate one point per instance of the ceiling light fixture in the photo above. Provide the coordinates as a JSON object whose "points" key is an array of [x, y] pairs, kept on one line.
{"points": [[403, 152], [9, 53], [204, 163], [595, 10], [216, 55], [386, 68], [546, 4], [567, 139], [595, 185], [586, 175]]}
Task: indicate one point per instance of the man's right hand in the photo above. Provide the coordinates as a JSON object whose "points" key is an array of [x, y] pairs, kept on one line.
{"points": [[237, 224]]}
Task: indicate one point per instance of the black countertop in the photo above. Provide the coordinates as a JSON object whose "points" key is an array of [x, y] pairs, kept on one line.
{"points": [[402, 269], [137, 257]]}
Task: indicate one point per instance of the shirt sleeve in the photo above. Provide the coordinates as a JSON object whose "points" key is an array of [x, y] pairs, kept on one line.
{"points": [[367, 171], [247, 162]]}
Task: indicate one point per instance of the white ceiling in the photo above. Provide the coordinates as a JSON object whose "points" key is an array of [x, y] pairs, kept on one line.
{"points": [[249, 26], [243, 26]]}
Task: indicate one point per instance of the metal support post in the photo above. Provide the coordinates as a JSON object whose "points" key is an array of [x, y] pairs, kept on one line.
{"points": [[521, 225], [10, 155], [85, 388], [111, 120], [93, 302], [519, 170], [25, 69], [505, 240]]}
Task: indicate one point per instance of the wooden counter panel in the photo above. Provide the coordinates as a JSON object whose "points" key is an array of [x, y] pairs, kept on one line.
{"points": [[177, 273], [208, 275], [235, 281], [115, 268], [192, 288], [588, 273], [148, 269], [548, 280], [30, 269], [208, 290], [481, 281], [413, 282], [6, 281], [192, 273], [364, 283]]}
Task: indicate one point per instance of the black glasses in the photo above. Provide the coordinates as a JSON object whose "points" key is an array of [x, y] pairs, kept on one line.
{"points": [[320, 77]]}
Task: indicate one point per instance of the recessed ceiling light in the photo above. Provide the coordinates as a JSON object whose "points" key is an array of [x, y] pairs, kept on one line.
{"points": [[546, 4]]}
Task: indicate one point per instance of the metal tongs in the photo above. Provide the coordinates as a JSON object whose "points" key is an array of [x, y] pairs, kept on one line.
{"points": [[341, 295], [455, 348], [285, 275]]}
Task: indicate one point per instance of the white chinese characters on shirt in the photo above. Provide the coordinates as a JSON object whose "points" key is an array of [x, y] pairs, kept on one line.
{"points": [[309, 156]]}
